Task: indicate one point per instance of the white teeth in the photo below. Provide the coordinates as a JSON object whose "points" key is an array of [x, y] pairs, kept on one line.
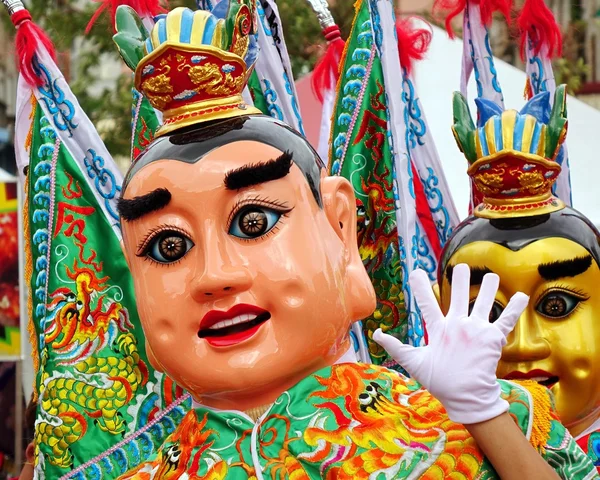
{"points": [[540, 379], [234, 321]]}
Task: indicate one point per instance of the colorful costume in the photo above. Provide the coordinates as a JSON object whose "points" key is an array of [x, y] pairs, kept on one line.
{"points": [[243, 259], [351, 421]]}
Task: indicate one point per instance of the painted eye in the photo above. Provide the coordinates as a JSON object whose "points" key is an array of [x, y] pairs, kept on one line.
{"points": [[168, 247], [253, 222], [495, 313], [557, 304]]}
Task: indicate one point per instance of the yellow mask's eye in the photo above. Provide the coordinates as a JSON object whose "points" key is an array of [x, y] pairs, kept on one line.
{"points": [[495, 313], [557, 304]]}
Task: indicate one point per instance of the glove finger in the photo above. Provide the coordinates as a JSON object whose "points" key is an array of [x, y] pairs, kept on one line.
{"points": [[459, 295], [406, 355], [510, 316], [428, 304], [485, 297]]}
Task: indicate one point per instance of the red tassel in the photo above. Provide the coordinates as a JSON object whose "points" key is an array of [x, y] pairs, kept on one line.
{"points": [[142, 7], [327, 70], [29, 36], [537, 21], [413, 43], [453, 8]]}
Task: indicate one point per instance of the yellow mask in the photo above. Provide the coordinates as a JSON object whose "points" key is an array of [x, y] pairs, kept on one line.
{"points": [[557, 339]]}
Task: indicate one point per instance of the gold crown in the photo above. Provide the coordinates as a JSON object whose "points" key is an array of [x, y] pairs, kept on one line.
{"points": [[513, 155], [194, 66]]}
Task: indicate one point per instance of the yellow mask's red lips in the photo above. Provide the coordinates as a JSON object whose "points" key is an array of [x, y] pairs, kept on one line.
{"points": [[540, 376]]}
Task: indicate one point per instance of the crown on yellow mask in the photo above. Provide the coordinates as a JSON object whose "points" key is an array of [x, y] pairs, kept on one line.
{"points": [[513, 155]]}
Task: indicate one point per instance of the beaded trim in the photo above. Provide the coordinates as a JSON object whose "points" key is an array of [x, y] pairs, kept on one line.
{"points": [[126, 440]]}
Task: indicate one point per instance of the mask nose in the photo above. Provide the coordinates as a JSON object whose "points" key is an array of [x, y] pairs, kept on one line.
{"points": [[526, 342], [224, 273]]}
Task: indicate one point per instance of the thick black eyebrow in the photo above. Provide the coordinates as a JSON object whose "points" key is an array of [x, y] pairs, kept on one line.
{"points": [[137, 207], [477, 274], [256, 173], [565, 268]]}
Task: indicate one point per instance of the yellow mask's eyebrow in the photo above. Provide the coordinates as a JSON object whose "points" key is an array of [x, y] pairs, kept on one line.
{"points": [[565, 268], [477, 274]]}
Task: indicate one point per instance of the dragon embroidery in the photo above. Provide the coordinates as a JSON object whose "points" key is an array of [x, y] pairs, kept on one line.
{"points": [[392, 435], [84, 325], [77, 329]]}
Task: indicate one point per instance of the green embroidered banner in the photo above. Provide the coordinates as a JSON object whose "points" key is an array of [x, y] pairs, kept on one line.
{"points": [[95, 384], [360, 152]]}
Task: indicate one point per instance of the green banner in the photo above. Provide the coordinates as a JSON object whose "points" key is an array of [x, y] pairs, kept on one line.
{"points": [[95, 384], [361, 153]]}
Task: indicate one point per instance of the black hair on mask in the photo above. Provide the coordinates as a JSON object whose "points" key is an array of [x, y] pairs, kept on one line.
{"points": [[518, 232], [191, 144]]}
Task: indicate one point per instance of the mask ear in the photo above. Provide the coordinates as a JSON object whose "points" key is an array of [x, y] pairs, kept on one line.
{"points": [[339, 205]]}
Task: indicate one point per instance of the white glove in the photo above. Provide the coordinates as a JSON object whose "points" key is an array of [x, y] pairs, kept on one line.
{"points": [[458, 366]]}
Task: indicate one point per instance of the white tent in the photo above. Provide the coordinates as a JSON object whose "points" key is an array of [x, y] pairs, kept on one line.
{"points": [[439, 75]]}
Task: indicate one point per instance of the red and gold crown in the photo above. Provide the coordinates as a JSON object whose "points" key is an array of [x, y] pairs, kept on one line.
{"points": [[513, 155], [192, 66]]}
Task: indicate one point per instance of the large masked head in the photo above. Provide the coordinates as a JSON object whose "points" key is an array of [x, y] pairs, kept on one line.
{"points": [[244, 257], [536, 246]]}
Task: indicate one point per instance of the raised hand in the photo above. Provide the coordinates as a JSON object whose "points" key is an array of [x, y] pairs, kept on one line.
{"points": [[458, 366]]}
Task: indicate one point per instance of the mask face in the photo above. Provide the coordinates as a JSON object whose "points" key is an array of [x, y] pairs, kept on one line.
{"points": [[243, 290], [557, 339]]}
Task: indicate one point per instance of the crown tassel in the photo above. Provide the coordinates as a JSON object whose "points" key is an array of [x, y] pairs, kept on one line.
{"points": [[28, 39]]}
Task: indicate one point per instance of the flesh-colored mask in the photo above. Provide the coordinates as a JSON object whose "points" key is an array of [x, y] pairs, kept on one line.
{"points": [[242, 293], [557, 339]]}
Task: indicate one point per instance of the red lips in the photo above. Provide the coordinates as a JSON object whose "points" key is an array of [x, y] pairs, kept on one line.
{"points": [[232, 335], [533, 374]]}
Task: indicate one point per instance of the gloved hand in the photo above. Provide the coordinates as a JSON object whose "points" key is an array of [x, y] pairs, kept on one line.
{"points": [[458, 366]]}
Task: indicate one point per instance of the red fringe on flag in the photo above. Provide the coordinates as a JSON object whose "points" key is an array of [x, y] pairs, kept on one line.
{"points": [[537, 21], [142, 7], [327, 70], [28, 38], [452, 8], [413, 43]]}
